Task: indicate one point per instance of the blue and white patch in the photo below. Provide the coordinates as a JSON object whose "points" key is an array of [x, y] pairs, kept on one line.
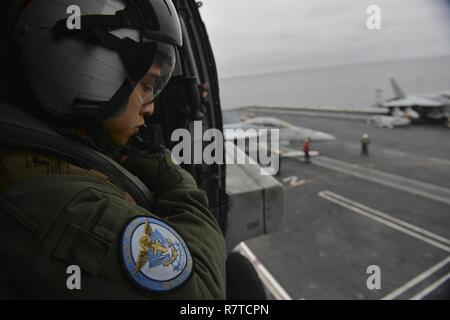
{"points": [[154, 255]]}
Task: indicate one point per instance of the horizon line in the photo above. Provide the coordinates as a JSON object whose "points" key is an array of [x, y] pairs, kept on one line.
{"points": [[328, 66]]}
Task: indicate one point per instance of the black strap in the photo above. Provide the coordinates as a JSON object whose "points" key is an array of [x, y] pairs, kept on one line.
{"points": [[96, 110], [138, 14], [137, 57], [88, 22]]}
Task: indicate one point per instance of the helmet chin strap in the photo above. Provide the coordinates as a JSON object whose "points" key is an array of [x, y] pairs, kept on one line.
{"points": [[97, 133]]}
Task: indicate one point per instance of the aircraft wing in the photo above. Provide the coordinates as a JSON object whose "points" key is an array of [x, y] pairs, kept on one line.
{"points": [[413, 101], [315, 136], [238, 132], [288, 132]]}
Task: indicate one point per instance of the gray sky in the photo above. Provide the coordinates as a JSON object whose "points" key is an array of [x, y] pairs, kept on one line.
{"points": [[257, 36]]}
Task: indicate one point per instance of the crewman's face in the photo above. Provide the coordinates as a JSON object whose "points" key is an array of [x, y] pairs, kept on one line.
{"points": [[121, 127]]}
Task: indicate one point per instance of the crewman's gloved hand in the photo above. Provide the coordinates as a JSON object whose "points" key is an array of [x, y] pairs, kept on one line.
{"points": [[158, 172]]}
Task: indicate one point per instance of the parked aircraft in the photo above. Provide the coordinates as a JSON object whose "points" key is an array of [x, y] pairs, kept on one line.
{"points": [[428, 106]]}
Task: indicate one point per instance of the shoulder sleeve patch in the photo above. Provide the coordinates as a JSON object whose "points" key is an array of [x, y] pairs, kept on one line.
{"points": [[154, 255]]}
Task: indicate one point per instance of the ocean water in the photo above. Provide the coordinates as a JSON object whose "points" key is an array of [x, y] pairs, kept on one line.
{"points": [[338, 86]]}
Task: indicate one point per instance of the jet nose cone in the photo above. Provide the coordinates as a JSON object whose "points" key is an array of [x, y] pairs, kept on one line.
{"points": [[411, 114]]}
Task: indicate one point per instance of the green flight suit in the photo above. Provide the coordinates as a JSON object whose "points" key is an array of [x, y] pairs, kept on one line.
{"points": [[61, 215]]}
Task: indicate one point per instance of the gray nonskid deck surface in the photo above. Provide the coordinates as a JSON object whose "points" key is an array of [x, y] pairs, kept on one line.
{"points": [[391, 210]]}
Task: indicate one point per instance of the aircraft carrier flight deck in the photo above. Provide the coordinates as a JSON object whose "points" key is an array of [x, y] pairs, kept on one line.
{"points": [[345, 212]]}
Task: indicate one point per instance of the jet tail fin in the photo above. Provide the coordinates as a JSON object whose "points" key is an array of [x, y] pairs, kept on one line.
{"points": [[397, 90]]}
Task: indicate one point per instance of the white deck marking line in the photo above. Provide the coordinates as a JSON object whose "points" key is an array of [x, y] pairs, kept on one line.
{"points": [[269, 281], [422, 294], [394, 153], [392, 219], [351, 145], [294, 181], [391, 176], [328, 195], [386, 175], [424, 189], [411, 283], [441, 161]]}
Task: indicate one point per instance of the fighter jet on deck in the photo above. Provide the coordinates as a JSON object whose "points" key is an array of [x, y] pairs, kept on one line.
{"points": [[428, 106], [289, 134]]}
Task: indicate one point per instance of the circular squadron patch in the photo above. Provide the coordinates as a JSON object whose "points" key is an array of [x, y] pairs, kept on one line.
{"points": [[154, 255]]}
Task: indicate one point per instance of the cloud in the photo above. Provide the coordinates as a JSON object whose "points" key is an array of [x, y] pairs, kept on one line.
{"points": [[256, 36]]}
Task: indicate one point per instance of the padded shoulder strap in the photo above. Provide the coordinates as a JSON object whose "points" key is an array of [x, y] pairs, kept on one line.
{"points": [[19, 130]]}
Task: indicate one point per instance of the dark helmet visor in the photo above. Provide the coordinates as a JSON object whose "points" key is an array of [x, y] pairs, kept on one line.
{"points": [[158, 74]]}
